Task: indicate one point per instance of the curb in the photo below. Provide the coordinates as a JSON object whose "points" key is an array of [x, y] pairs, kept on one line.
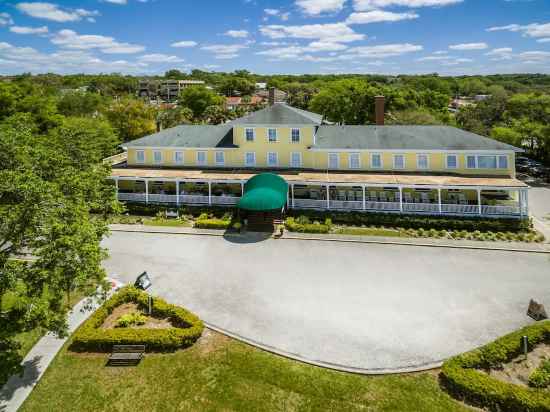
{"points": [[328, 365], [360, 241]]}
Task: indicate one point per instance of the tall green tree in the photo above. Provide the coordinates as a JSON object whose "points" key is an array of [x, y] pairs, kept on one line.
{"points": [[132, 118], [198, 98]]}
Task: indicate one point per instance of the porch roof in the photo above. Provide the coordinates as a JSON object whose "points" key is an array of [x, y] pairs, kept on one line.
{"points": [[312, 177]]}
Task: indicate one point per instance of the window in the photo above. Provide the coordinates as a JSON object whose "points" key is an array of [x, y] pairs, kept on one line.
{"points": [[201, 158], [376, 161], [452, 161], [250, 159], [220, 158], [249, 134], [178, 158], [333, 161], [295, 159], [354, 160], [295, 135], [272, 159], [140, 156], [398, 161], [272, 135], [157, 156], [486, 162], [503, 162], [471, 162], [422, 161]]}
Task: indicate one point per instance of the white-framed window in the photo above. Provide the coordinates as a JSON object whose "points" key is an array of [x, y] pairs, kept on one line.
{"points": [[471, 162], [295, 136], [272, 135], [178, 158], [249, 134], [250, 159], [333, 161], [398, 161], [452, 161], [486, 162], [220, 158], [201, 158], [422, 161], [157, 157], [376, 161], [272, 159], [296, 159], [140, 156], [503, 162], [354, 160]]}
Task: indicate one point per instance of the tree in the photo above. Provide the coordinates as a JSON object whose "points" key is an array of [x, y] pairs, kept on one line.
{"points": [[413, 117], [174, 117], [76, 103], [216, 115], [131, 118], [198, 98], [236, 85]]}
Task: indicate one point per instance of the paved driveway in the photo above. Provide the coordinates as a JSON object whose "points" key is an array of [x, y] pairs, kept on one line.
{"points": [[371, 307], [539, 202]]}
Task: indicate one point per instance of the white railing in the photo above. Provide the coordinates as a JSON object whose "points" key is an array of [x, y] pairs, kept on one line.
{"points": [[193, 199], [131, 197], [155, 198], [309, 204], [383, 206], [421, 207], [500, 210], [346, 205], [225, 200], [460, 209]]}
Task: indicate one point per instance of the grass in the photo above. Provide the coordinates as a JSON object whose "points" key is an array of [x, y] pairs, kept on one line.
{"points": [[367, 231], [219, 373], [167, 222]]}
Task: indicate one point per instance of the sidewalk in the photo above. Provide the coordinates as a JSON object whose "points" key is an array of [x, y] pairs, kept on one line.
{"points": [[18, 388], [419, 242]]}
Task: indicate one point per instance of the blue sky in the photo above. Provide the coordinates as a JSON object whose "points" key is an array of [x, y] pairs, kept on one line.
{"points": [[274, 36]]}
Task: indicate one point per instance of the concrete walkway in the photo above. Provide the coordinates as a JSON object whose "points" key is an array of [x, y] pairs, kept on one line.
{"points": [[19, 387]]}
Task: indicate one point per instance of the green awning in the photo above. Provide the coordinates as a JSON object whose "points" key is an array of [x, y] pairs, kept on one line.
{"points": [[264, 192]]}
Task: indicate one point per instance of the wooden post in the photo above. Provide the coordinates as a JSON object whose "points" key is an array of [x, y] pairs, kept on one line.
{"points": [[401, 199], [439, 200], [479, 201], [146, 191], [364, 198], [210, 193], [328, 197], [177, 192]]}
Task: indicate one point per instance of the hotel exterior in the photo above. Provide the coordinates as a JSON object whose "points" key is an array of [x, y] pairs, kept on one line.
{"points": [[436, 170]]}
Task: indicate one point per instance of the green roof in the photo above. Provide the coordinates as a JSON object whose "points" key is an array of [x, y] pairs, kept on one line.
{"points": [[195, 136], [282, 114], [404, 138], [264, 192]]}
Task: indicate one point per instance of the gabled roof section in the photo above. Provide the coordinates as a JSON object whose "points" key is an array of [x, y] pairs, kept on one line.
{"points": [[280, 113], [192, 136], [404, 138]]}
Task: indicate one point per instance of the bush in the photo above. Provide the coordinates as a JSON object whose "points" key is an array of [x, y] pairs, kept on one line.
{"points": [[293, 225], [540, 378], [212, 224], [186, 330], [461, 377], [130, 319]]}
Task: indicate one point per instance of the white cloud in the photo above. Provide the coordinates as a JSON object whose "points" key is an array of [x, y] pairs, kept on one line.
{"points": [[224, 51], [51, 11], [376, 16], [72, 40], [277, 13], [544, 40], [362, 5], [120, 2], [537, 56], [332, 32], [238, 34], [503, 53], [534, 30], [29, 30], [184, 44], [5, 19], [469, 46], [385, 50], [160, 58], [316, 7]]}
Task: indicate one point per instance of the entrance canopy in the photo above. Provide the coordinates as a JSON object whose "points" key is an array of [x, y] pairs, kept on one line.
{"points": [[264, 192]]}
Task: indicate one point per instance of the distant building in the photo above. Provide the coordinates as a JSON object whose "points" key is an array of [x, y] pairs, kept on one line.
{"points": [[234, 102], [166, 90], [277, 96], [261, 86], [481, 97]]}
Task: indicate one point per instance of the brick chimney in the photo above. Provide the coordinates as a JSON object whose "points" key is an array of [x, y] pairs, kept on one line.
{"points": [[271, 96], [379, 112]]}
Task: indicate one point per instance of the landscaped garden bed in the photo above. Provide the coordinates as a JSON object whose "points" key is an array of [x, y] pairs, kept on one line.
{"points": [[123, 320], [497, 376]]}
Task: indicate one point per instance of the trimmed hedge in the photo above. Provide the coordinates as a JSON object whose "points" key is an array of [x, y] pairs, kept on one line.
{"points": [[294, 226], [91, 337], [212, 224], [461, 377], [152, 210]]}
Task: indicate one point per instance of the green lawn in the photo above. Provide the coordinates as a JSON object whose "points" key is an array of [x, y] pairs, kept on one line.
{"points": [[167, 222], [219, 373]]}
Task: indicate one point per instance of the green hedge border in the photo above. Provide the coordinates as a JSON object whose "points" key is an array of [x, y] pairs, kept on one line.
{"points": [[461, 377], [90, 337]]}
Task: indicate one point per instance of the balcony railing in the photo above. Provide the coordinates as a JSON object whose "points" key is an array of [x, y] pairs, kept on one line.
{"points": [[460, 209], [131, 197], [383, 206], [310, 204], [155, 198], [194, 199], [500, 210], [225, 200], [421, 207], [346, 205]]}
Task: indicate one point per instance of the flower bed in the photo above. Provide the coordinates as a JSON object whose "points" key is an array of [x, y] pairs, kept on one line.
{"points": [[463, 375], [186, 327]]}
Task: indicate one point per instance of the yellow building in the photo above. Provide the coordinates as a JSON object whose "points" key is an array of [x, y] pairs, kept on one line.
{"points": [[405, 169]]}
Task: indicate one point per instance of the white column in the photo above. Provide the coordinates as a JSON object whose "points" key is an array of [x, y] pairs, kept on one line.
{"points": [[526, 195], [146, 191], [364, 198], [439, 200], [479, 200], [209, 192], [328, 197], [292, 192], [242, 189], [401, 199], [116, 186], [177, 192]]}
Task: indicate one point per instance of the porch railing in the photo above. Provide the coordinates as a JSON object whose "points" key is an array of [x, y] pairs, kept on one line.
{"points": [[310, 204], [155, 198], [459, 209], [131, 197], [500, 210], [346, 205], [225, 200], [421, 207], [194, 199], [383, 206]]}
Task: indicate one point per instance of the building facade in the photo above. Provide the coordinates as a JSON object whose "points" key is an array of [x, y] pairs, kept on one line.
{"points": [[399, 169]]}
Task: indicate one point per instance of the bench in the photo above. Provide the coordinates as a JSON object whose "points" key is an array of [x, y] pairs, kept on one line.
{"points": [[124, 355]]}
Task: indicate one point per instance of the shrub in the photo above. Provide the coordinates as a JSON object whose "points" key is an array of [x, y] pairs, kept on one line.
{"points": [[186, 330], [461, 377], [131, 319], [212, 224], [294, 226], [540, 378]]}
